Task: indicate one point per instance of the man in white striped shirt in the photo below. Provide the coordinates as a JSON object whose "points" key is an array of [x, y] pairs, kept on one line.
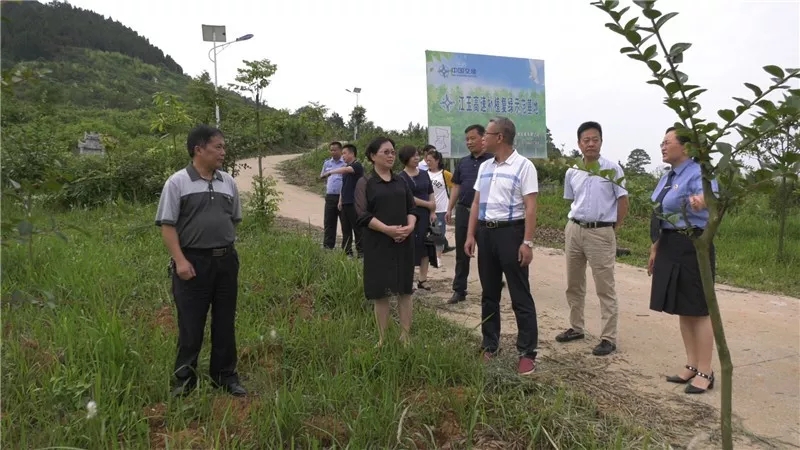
{"points": [[501, 223]]}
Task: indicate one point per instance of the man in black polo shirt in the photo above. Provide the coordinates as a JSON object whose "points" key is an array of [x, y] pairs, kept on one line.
{"points": [[461, 196], [198, 213], [350, 176]]}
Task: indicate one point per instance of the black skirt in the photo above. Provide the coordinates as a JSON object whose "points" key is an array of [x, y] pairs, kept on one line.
{"points": [[423, 216], [388, 265], [676, 285]]}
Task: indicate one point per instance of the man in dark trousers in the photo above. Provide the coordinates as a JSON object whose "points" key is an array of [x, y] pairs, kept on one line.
{"points": [[461, 196], [501, 223], [333, 187], [350, 176], [198, 213]]}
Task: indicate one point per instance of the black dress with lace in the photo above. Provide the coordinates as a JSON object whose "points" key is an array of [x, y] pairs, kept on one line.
{"points": [[388, 265]]}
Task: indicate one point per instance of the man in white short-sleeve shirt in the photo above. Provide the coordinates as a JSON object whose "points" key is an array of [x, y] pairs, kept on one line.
{"points": [[597, 211], [501, 223]]}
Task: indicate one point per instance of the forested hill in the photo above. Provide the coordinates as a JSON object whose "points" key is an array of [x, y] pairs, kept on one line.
{"points": [[36, 31]]}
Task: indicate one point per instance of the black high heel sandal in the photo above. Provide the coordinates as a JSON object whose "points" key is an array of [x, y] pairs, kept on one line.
{"points": [[423, 285], [679, 380], [690, 389]]}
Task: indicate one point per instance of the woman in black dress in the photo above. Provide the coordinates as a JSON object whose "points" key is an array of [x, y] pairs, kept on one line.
{"points": [[676, 287], [421, 187], [385, 208]]}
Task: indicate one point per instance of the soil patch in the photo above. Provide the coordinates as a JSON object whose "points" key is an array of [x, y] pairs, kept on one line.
{"points": [[328, 430], [165, 319]]}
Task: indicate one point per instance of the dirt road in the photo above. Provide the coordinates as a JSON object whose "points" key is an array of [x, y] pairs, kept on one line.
{"points": [[763, 330]]}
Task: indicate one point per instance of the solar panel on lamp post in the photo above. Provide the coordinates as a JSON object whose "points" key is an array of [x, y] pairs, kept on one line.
{"points": [[215, 34]]}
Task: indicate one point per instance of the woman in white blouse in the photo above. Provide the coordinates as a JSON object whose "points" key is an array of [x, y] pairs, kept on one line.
{"points": [[442, 181]]}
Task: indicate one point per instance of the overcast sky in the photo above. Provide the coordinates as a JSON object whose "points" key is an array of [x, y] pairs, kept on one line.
{"points": [[322, 47]]}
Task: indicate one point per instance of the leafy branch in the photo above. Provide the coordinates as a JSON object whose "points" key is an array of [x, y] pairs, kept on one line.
{"points": [[704, 141]]}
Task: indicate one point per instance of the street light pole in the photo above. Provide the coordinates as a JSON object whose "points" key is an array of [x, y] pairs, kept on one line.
{"points": [[216, 94], [214, 34], [356, 91]]}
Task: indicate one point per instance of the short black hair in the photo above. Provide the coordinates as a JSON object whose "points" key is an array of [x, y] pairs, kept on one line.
{"points": [[375, 145], [352, 149], [428, 148], [336, 143], [406, 153], [477, 127], [683, 140], [590, 126], [200, 136]]}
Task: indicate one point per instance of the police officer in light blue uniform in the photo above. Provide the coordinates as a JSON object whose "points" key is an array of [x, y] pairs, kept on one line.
{"points": [[676, 285]]}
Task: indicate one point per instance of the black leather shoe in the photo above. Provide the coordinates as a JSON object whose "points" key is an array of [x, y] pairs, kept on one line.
{"points": [[677, 378], [569, 335], [691, 389], [183, 389], [457, 297], [234, 389], [605, 347]]}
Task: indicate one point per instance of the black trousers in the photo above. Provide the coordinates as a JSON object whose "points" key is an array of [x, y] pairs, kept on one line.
{"points": [[216, 286], [462, 260], [332, 215], [498, 254], [350, 229]]}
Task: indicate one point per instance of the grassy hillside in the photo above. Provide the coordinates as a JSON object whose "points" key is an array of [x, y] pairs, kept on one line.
{"points": [[88, 78], [34, 31]]}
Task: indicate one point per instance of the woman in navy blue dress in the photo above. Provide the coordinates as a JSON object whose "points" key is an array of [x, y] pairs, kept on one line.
{"points": [[420, 183]]}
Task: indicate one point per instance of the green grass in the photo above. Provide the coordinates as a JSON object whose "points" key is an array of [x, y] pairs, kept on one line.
{"points": [[304, 170], [746, 243], [92, 319]]}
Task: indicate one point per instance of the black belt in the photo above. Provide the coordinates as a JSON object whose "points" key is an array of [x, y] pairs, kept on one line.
{"points": [[694, 230], [219, 251], [594, 224], [500, 223]]}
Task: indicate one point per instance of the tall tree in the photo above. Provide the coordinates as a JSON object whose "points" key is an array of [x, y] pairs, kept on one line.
{"points": [[336, 121], [553, 152], [253, 78], [357, 118], [637, 160], [171, 117], [203, 98], [778, 154], [704, 142]]}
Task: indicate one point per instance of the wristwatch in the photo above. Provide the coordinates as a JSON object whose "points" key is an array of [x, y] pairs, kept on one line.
{"points": [[528, 243]]}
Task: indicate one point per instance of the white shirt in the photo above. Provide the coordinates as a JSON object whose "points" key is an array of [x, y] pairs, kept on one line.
{"points": [[422, 165], [594, 198], [439, 190], [502, 186]]}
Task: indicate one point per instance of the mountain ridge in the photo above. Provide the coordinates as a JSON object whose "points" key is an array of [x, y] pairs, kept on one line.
{"points": [[34, 31]]}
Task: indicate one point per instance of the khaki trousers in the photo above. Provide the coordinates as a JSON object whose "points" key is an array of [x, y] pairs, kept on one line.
{"points": [[598, 247]]}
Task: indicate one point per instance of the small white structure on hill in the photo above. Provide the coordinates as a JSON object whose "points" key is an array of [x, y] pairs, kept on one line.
{"points": [[91, 145]]}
